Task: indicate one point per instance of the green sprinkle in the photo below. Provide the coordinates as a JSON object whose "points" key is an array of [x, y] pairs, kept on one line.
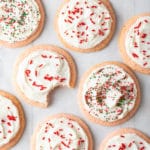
{"points": [[99, 100], [12, 21], [121, 102]]}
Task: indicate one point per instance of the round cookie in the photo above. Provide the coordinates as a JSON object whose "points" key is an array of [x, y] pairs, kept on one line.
{"points": [[134, 43], [39, 70], [63, 132], [126, 138], [109, 93], [21, 22], [12, 120], [85, 25]]}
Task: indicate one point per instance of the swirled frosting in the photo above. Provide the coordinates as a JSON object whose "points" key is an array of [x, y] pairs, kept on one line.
{"points": [[109, 93], [137, 42], [84, 23], [19, 19], [61, 134], [127, 142], [40, 72], [9, 120]]}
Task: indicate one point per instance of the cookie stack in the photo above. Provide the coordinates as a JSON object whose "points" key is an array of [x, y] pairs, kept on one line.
{"points": [[109, 93]]}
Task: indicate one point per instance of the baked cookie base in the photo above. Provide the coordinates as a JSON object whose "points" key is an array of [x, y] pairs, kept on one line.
{"points": [[74, 118], [123, 131], [33, 36], [48, 48], [121, 43], [17, 137], [98, 47], [96, 120]]}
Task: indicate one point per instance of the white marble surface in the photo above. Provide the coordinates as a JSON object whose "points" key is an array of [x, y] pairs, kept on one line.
{"points": [[64, 99]]}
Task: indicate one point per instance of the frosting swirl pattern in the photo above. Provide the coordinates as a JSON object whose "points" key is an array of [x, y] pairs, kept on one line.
{"points": [[127, 142], [61, 134], [9, 120], [18, 19], [40, 72], [137, 42], [109, 93], [84, 23]]}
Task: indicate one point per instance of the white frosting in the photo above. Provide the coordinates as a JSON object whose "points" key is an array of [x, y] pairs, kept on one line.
{"points": [[109, 93], [61, 134], [112, 97], [84, 23], [40, 72], [127, 142], [9, 120], [137, 42], [19, 19]]}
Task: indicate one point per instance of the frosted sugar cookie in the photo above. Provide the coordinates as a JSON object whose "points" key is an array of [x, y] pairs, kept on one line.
{"points": [[134, 43], [39, 70], [63, 132], [126, 139], [85, 25], [12, 121], [109, 93], [21, 22]]}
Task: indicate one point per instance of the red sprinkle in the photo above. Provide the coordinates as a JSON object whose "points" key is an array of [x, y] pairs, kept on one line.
{"points": [[122, 147], [81, 24], [103, 23], [122, 135], [3, 121], [49, 140], [36, 73], [48, 78], [44, 56], [146, 21], [31, 62], [40, 86], [62, 79], [107, 18], [69, 21], [65, 144], [70, 17], [130, 145], [40, 65], [142, 148], [93, 6], [9, 131], [135, 44], [12, 118], [144, 35], [56, 133], [27, 72], [92, 14], [86, 27], [138, 26], [145, 64], [135, 55], [92, 21], [8, 123], [100, 32]]}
